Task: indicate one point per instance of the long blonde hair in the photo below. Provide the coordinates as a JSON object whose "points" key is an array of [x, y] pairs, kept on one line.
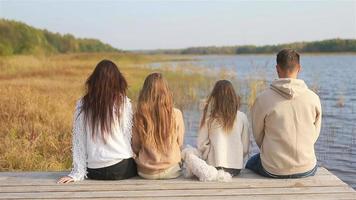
{"points": [[153, 120], [221, 106]]}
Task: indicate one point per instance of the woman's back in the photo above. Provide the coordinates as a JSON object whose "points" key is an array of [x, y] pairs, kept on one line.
{"points": [[117, 145]]}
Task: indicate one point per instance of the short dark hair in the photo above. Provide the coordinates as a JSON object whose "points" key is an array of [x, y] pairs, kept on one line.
{"points": [[288, 59]]}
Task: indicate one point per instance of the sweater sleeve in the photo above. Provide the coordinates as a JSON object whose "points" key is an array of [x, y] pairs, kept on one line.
{"points": [[79, 169], [180, 127], [245, 136], [203, 142], [258, 123], [127, 120]]}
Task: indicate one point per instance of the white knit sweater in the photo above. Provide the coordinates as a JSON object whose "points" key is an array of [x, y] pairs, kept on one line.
{"points": [[94, 153], [221, 149]]}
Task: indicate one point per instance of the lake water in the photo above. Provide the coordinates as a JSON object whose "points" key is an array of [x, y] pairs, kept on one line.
{"points": [[334, 78]]}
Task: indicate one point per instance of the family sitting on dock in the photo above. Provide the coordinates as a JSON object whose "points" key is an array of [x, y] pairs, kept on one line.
{"points": [[114, 141]]}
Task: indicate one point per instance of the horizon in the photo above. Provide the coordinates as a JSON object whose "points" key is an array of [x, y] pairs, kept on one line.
{"points": [[156, 25]]}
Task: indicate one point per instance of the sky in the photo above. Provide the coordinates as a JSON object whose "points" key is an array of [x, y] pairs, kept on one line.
{"points": [[152, 24]]}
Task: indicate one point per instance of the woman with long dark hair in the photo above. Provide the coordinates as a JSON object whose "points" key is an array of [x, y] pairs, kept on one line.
{"points": [[102, 128]]}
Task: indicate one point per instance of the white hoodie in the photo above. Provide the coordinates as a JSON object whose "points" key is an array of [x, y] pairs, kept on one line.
{"points": [[286, 121]]}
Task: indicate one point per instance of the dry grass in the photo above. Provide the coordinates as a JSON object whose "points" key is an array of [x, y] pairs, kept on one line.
{"points": [[37, 98], [255, 87]]}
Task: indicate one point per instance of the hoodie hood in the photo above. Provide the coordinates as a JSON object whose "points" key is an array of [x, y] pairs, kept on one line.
{"points": [[288, 87]]}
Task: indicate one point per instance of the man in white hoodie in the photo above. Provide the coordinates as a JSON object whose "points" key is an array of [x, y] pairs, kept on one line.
{"points": [[286, 121]]}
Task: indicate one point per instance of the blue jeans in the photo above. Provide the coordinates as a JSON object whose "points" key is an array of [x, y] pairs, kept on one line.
{"points": [[254, 164]]}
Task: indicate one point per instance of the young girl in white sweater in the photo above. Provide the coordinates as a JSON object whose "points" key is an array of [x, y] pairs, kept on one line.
{"points": [[223, 138]]}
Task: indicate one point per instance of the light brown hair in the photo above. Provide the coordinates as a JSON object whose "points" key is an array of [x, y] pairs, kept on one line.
{"points": [[153, 119], [221, 106]]}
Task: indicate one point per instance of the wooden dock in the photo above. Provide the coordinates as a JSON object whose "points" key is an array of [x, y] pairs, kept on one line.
{"points": [[42, 185]]}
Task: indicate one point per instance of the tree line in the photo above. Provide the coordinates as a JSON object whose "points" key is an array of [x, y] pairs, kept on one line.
{"points": [[20, 38], [324, 46]]}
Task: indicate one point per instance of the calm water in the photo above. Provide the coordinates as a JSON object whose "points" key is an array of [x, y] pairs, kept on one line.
{"points": [[333, 76]]}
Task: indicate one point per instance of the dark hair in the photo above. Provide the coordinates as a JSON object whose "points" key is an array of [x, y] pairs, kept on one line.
{"points": [[221, 106], [288, 59], [105, 94]]}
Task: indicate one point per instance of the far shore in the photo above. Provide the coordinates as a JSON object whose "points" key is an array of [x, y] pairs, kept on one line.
{"points": [[249, 54]]}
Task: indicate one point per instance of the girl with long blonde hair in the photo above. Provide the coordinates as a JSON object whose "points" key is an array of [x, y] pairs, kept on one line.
{"points": [[223, 138], [158, 131]]}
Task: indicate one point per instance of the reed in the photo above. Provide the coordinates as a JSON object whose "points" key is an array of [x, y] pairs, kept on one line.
{"points": [[340, 101]]}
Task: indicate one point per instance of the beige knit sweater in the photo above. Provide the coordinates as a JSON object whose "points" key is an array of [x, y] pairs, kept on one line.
{"points": [[149, 160], [225, 149], [286, 120]]}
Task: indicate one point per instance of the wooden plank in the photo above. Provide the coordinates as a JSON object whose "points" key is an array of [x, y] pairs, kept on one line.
{"points": [[42, 185], [320, 171], [181, 193], [165, 186], [243, 182], [50, 178], [340, 196]]}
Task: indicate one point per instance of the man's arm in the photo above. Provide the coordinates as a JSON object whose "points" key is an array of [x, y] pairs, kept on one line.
{"points": [[318, 118], [258, 123], [245, 136]]}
